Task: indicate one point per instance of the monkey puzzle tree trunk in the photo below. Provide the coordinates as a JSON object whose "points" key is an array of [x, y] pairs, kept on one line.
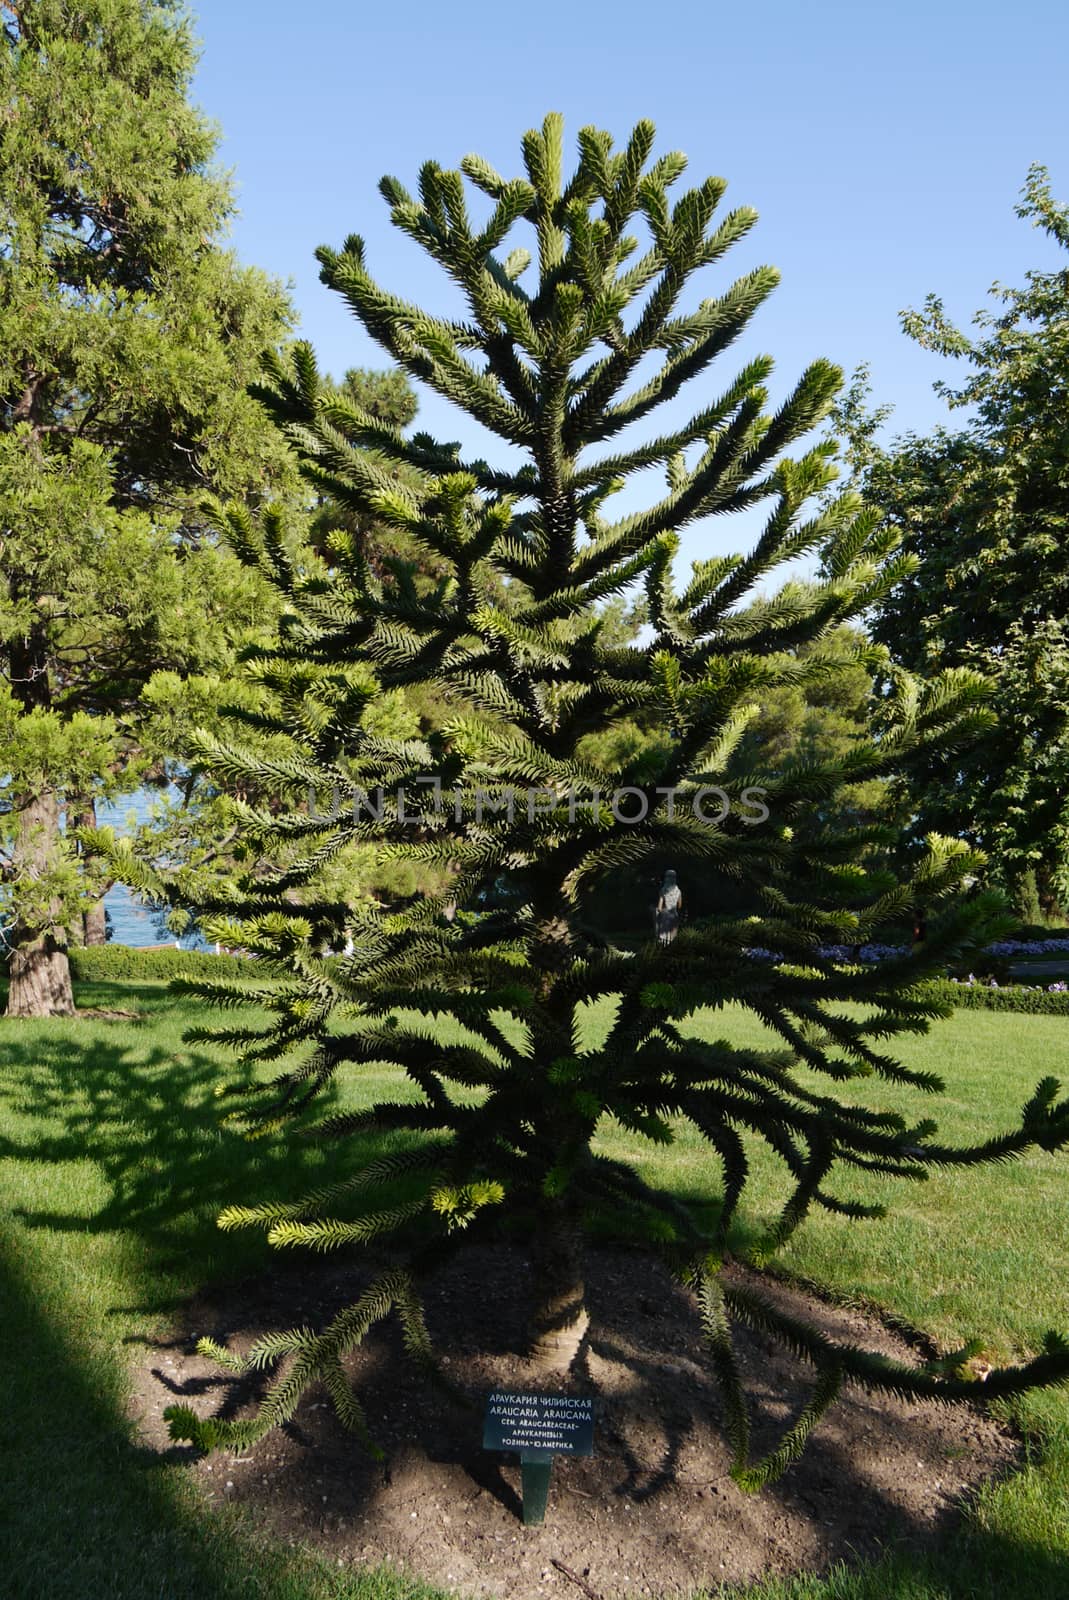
{"points": [[560, 1319], [559, 1316], [39, 972]]}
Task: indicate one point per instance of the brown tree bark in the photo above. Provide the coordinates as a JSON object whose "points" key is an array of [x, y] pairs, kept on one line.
{"points": [[39, 974], [560, 1319], [95, 924]]}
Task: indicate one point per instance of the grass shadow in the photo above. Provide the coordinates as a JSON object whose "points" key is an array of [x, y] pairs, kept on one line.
{"points": [[128, 1125], [84, 1513], [115, 1129]]}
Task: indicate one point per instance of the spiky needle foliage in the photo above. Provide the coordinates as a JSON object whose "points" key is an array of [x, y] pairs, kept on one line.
{"points": [[516, 1023]]}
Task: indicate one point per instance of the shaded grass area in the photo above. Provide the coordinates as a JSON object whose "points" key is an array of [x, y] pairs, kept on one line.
{"points": [[114, 1163], [112, 1168]]}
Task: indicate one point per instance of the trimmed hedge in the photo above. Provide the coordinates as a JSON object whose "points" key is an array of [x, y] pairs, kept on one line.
{"points": [[1012, 997], [123, 963], [1037, 930]]}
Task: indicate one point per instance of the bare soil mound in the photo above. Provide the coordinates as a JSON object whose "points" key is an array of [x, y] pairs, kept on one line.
{"points": [[653, 1512]]}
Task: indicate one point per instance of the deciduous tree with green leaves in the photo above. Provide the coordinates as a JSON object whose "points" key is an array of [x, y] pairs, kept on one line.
{"points": [[516, 1025], [985, 508], [127, 337]]}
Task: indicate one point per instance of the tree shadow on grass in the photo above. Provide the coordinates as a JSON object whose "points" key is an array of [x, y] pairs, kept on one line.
{"points": [[89, 1515], [974, 1565], [107, 1130], [85, 1514], [150, 1121]]}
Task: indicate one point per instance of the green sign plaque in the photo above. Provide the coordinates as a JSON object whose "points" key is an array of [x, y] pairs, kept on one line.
{"points": [[539, 1426], [559, 1424]]}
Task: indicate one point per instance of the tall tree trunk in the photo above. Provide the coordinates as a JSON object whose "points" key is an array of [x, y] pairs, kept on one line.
{"points": [[39, 973], [95, 923], [82, 813], [560, 1316]]}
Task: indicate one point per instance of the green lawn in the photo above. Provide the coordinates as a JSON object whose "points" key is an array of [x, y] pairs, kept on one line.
{"points": [[113, 1165]]}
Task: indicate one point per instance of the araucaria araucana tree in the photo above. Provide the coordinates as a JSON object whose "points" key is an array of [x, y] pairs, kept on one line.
{"points": [[516, 1025]]}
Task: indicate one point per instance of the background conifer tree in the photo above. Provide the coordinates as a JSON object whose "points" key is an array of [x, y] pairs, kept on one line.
{"points": [[128, 335], [517, 1025]]}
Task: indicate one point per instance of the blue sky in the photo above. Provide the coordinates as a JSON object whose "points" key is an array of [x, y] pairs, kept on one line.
{"points": [[883, 145]]}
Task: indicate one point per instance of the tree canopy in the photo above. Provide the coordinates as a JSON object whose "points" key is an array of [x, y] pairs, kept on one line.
{"points": [[128, 335], [984, 505]]}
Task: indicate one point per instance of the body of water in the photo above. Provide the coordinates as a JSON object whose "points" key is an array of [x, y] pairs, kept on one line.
{"points": [[130, 921]]}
